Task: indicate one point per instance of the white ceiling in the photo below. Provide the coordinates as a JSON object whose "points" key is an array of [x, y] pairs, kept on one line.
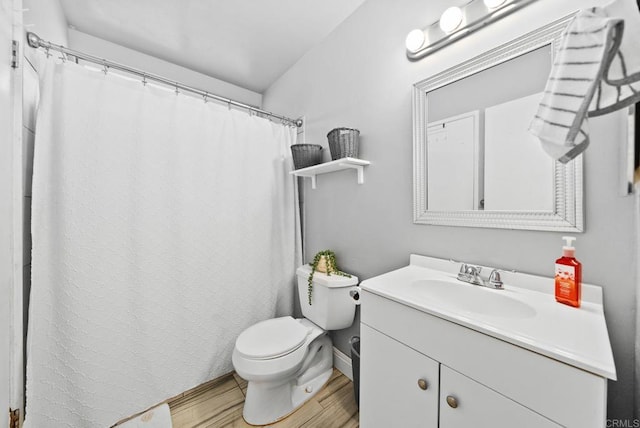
{"points": [[249, 43]]}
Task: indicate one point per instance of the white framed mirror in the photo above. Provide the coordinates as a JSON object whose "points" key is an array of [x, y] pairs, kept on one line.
{"points": [[475, 164]]}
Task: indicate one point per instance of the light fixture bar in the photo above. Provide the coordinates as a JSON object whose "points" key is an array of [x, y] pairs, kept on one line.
{"points": [[475, 15]]}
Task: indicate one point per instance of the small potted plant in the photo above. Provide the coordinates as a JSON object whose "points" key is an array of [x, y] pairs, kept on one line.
{"points": [[324, 261]]}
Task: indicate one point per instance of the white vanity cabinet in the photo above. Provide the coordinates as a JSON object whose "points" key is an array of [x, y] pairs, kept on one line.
{"points": [[398, 386], [466, 403], [402, 387], [494, 383]]}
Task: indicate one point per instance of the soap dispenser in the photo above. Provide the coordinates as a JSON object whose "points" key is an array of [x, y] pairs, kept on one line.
{"points": [[568, 275]]}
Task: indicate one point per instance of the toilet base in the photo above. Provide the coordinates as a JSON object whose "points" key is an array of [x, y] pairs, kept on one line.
{"points": [[269, 402]]}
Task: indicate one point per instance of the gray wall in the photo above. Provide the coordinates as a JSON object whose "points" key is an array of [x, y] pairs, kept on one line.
{"points": [[104, 49], [359, 77]]}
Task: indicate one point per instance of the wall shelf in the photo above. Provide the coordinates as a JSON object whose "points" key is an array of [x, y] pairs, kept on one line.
{"points": [[336, 165]]}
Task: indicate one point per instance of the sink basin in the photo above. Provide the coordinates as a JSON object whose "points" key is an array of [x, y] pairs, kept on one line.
{"points": [[462, 297]]}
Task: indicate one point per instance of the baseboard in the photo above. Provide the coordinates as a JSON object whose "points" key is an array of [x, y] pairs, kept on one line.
{"points": [[342, 363]]}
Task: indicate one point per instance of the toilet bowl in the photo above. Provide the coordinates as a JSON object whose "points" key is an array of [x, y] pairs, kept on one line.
{"points": [[286, 361], [276, 386]]}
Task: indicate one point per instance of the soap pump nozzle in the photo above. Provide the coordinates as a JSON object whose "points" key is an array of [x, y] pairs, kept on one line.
{"points": [[568, 250]]}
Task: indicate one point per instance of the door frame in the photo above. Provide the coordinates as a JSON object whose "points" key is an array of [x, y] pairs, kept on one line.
{"points": [[11, 211]]}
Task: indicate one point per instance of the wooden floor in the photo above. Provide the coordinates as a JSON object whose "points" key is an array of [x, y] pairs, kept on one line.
{"points": [[219, 404]]}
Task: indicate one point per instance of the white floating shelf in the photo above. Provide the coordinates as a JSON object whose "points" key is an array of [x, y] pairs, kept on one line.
{"points": [[336, 165]]}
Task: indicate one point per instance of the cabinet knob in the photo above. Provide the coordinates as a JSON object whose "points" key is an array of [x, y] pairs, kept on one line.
{"points": [[422, 384], [452, 402]]}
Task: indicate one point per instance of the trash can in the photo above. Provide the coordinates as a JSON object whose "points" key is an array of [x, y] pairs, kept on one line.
{"points": [[355, 366]]}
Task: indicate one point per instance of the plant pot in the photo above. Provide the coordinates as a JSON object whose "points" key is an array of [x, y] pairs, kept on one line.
{"points": [[322, 265]]}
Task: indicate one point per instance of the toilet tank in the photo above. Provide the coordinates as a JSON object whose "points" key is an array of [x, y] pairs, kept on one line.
{"points": [[332, 307]]}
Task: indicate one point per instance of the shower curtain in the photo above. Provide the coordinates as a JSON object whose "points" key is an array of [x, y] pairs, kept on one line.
{"points": [[162, 227]]}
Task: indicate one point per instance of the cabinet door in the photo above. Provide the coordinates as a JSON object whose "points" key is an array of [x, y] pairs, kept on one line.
{"points": [[398, 385], [466, 403]]}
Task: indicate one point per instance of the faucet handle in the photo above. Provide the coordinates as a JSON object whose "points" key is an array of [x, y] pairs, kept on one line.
{"points": [[495, 280], [473, 270]]}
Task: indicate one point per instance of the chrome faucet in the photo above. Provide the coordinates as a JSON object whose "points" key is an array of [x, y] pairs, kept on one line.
{"points": [[471, 274], [495, 281]]}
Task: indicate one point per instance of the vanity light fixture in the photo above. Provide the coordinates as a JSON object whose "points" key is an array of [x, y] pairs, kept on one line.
{"points": [[458, 22], [415, 40], [492, 4], [451, 19]]}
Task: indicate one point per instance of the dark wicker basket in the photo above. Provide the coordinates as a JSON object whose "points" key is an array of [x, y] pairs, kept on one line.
{"points": [[305, 155], [343, 142]]}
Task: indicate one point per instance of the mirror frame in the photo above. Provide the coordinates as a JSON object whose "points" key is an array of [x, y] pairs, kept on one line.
{"points": [[567, 214]]}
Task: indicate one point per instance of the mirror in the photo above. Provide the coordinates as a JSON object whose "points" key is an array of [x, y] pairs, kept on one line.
{"points": [[475, 163]]}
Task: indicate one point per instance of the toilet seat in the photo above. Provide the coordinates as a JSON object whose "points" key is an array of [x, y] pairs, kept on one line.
{"points": [[272, 338], [252, 368]]}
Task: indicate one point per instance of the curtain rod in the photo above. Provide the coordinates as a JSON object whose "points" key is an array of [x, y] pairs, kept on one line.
{"points": [[36, 42]]}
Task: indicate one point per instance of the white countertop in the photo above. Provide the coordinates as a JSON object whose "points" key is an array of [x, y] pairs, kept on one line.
{"points": [[575, 336]]}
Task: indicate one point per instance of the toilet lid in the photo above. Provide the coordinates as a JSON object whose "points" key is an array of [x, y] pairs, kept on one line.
{"points": [[271, 338]]}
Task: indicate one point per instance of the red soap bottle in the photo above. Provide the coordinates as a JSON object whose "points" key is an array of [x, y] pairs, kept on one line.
{"points": [[568, 275]]}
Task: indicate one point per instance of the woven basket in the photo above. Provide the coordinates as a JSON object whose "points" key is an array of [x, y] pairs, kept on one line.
{"points": [[305, 155], [343, 142]]}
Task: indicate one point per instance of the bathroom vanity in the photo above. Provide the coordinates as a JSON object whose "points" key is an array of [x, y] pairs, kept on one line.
{"points": [[438, 352]]}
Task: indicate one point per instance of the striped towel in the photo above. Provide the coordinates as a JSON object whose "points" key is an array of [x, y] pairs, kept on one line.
{"points": [[596, 71]]}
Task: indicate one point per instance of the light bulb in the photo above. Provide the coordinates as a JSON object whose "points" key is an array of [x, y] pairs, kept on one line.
{"points": [[492, 4], [451, 19], [414, 40]]}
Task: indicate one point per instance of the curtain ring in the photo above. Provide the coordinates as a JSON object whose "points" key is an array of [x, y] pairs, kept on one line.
{"points": [[144, 79], [177, 91], [63, 57], [105, 68], [204, 97], [46, 52]]}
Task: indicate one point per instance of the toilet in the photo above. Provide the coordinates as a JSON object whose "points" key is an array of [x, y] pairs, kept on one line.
{"points": [[286, 361]]}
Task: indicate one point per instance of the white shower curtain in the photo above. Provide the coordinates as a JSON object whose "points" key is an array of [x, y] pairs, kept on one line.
{"points": [[162, 227]]}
